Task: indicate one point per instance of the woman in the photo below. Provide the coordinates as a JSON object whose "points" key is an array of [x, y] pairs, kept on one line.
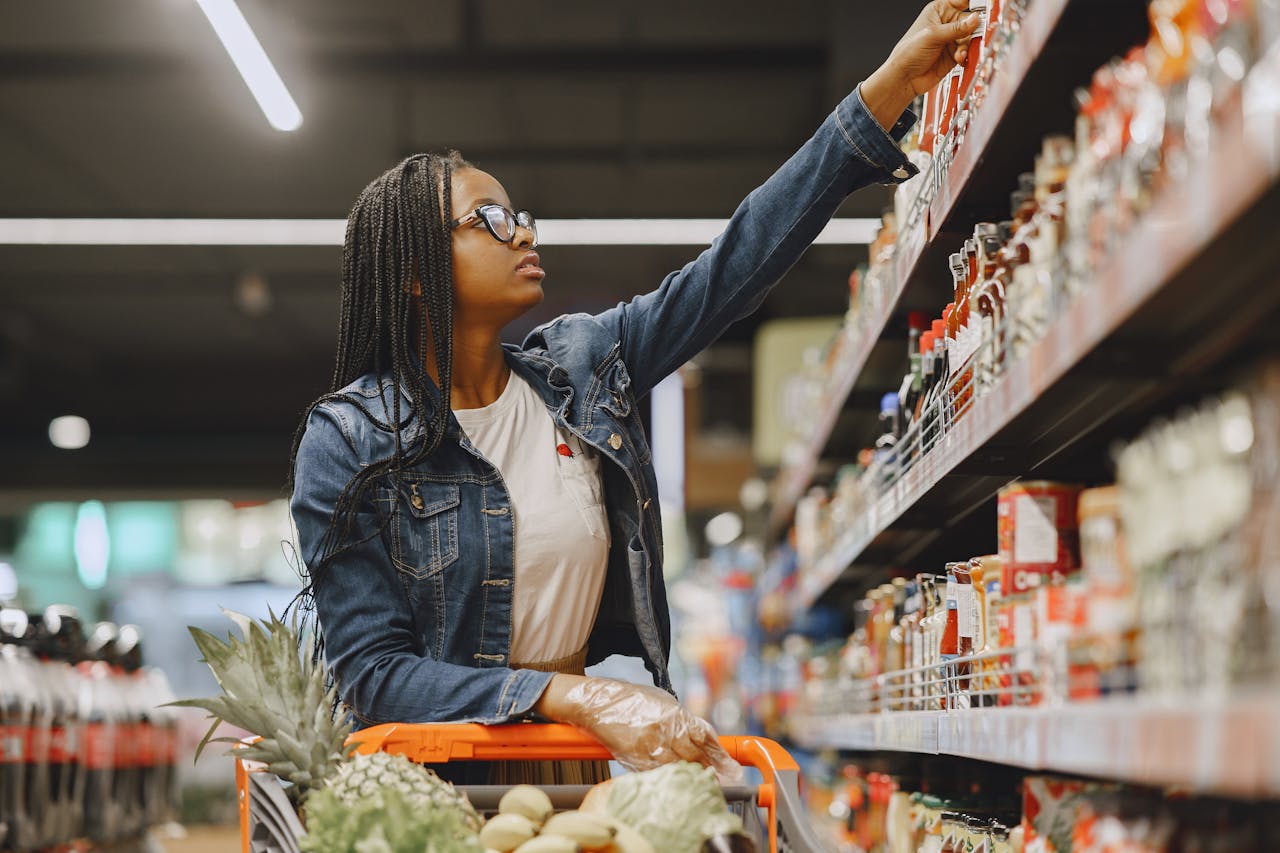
{"points": [[480, 520]]}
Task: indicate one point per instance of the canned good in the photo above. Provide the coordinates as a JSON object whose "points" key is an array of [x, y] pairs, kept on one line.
{"points": [[1038, 532]]}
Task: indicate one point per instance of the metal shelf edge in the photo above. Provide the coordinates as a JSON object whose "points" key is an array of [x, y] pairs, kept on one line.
{"points": [[1221, 746]]}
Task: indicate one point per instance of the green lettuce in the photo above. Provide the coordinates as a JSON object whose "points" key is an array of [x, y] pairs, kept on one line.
{"points": [[677, 807]]}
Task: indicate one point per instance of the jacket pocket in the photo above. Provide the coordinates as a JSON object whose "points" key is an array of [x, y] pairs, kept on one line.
{"points": [[424, 529], [580, 474]]}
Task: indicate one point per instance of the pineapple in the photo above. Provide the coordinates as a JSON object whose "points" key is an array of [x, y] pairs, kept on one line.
{"points": [[279, 695], [368, 775]]}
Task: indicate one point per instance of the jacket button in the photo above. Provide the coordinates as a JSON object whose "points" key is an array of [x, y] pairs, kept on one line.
{"points": [[646, 503], [901, 173], [615, 441]]}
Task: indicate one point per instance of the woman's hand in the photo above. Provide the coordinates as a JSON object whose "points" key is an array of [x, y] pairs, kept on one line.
{"points": [[936, 43], [642, 726]]}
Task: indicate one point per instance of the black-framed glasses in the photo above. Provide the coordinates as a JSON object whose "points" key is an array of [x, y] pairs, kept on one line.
{"points": [[502, 223]]}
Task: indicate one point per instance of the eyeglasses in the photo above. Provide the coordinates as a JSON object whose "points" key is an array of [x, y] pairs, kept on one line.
{"points": [[501, 222]]}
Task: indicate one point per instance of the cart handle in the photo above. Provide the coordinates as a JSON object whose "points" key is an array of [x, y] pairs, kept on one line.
{"points": [[439, 743]]}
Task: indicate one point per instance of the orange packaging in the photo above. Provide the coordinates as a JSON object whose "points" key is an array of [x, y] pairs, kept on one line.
{"points": [[1038, 532]]}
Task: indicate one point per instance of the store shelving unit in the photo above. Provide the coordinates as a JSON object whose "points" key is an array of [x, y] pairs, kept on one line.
{"points": [[1148, 325], [1227, 746], [1027, 99], [1184, 297], [938, 204]]}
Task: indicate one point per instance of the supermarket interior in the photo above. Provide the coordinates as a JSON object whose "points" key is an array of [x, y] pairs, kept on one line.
{"points": [[949, 458]]}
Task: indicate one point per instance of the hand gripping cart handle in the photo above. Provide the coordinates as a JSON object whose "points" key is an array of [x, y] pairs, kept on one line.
{"points": [[268, 823]]}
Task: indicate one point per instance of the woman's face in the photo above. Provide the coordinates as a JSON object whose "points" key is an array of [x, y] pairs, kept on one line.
{"points": [[494, 283]]}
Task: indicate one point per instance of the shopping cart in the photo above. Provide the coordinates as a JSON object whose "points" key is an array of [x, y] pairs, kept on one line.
{"points": [[771, 812]]}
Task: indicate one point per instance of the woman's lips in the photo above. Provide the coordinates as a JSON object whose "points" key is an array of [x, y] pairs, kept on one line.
{"points": [[529, 266]]}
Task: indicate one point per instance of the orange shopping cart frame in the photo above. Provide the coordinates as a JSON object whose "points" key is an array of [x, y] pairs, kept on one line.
{"points": [[772, 811]]}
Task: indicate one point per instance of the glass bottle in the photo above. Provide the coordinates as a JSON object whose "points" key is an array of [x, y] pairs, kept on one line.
{"points": [[987, 304], [894, 692], [966, 629], [949, 645], [969, 71]]}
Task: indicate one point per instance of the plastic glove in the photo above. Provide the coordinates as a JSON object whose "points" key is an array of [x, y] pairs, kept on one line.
{"points": [[645, 727]]}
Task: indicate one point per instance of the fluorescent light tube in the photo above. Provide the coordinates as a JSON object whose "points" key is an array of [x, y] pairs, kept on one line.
{"points": [[330, 232], [252, 63]]}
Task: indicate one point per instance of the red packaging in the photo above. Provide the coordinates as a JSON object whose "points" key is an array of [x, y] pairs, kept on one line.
{"points": [[1038, 532], [1049, 810]]}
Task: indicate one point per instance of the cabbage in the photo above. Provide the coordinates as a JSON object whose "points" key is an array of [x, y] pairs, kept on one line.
{"points": [[387, 823], [677, 807]]}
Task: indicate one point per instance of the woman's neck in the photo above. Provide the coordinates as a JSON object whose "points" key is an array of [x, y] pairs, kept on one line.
{"points": [[480, 370]]}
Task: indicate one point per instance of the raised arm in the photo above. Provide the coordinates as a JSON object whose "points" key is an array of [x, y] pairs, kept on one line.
{"points": [[777, 221], [367, 622]]}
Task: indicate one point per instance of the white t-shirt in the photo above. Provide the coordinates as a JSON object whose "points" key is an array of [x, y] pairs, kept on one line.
{"points": [[561, 530]]}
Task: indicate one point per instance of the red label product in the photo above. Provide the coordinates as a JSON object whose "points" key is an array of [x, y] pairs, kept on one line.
{"points": [[1038, 532]]}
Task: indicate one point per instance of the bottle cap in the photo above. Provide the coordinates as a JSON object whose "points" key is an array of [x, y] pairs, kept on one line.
{"points": [[946, 313], [926, 343], [889, 403], [918, 320], [939, 330]]}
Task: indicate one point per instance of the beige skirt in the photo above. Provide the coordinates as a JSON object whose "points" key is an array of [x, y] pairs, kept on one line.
{"points": [[551, 772]]}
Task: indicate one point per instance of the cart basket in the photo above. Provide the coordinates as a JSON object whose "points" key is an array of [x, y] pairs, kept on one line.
{"points": [[771, 812]]}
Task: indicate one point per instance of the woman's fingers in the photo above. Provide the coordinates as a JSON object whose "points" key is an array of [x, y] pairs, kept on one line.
{"points": [[728, 770], [955, 31], [686, 749]]}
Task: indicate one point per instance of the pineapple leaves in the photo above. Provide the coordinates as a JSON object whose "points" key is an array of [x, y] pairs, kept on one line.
{"points": [[273, 690]]}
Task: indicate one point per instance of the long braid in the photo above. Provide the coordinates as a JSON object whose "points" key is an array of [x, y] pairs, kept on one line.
{"points": [[397, 231]]}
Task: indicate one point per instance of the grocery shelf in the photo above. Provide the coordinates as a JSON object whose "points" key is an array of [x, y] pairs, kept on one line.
{"points": [[1228, 745], [1190, 282], [793, 480], [1028, 85]]}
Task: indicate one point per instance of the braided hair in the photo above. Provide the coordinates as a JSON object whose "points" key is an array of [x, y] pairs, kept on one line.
{"points": [[398, 232]]}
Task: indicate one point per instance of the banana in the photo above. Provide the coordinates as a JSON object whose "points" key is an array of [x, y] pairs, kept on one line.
{"points": [[627, 840], [592, 831], [528, 801], [506, 832], [550, 844]]}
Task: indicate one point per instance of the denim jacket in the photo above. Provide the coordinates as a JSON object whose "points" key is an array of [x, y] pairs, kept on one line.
{"points": [[417, 620]]}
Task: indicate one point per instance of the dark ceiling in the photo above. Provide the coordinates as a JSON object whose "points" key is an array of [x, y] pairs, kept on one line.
{"points": [[581, 109]]}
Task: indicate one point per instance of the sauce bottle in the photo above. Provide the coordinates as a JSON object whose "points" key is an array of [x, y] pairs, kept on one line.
{"points": [[931, 418], [987, 304], [934, 628], [949, 645], [966, 629], [895, 647], [946, 125], [973, 60]]}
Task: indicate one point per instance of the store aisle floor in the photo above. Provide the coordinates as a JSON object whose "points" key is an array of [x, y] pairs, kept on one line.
{"points": [[200, 839]]}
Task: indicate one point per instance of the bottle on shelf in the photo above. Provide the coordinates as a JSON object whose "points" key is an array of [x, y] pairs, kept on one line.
{"points": [[58, 642], [22, 704]]}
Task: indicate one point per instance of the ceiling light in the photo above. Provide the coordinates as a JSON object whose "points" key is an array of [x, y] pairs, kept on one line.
{"points": [[330, 232], [69, 432], [252, 63]]}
